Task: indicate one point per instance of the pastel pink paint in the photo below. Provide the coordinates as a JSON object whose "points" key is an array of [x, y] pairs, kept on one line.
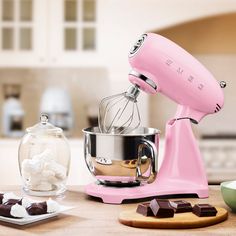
{"points": [[183, 79]]}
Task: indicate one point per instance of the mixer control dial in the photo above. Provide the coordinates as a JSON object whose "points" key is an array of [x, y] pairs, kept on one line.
{"points": [[180, 70], [200, 86], [190, 78], [183, 72], [222, 84], [169, 62]]}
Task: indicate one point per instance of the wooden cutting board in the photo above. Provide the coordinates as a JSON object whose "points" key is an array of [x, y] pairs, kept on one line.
{"points": [[179, 221]]}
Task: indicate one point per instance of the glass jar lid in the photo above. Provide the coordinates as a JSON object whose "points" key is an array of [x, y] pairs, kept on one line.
{"points": [[44, 127]]}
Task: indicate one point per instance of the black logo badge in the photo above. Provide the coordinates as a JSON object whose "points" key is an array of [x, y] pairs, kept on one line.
{"points": [[137, 45]]}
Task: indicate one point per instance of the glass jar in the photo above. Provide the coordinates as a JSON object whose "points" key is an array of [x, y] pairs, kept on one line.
{"points": [[44, 159]]}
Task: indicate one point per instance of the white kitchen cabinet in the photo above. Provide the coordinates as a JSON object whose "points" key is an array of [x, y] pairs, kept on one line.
{"points": [[21, 32], [48, 33], [73, 33]]}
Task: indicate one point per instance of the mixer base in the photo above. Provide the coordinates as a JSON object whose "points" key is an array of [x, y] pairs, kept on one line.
{"points": [[116, 195]]}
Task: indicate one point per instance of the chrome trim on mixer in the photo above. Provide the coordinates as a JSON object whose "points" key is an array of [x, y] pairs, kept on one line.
{"points": [[140, 131], [144, 78], [133, 92], [222, 84]]}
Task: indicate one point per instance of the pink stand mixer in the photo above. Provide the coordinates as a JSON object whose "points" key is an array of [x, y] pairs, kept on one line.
{"points": [[161, 66]]}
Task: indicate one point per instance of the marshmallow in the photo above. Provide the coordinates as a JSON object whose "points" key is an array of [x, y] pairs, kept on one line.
{"points": [[52, 206], [42, 172], [46, 155], [12, 199], [35, 179], [60, 171], [32, 166], [18, 211], [48, 173]]}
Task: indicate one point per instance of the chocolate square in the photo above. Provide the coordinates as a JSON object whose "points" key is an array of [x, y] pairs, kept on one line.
{"points": [[161, 208], [1, 197], [38, 208], [204, 210], [144, 209], [13, 202], [5, 210], [181, 206]]}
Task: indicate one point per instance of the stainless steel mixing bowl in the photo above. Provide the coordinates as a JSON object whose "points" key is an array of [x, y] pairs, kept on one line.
{"points": [[122, 159]]}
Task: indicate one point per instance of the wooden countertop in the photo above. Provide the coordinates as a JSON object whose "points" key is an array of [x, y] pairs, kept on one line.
{"points": [[91, 217]]}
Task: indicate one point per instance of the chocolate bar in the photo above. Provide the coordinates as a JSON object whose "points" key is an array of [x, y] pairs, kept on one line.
{"points": [[204, 210], [1, 197], [161, 208], [5, 210], [13, 202], [12, 211], [37, 208], [181, 206], [144, 209], [134, 161], [40, 208]]}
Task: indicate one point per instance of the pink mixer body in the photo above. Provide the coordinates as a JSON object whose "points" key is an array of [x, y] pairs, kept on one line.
{"points": [[160, 65], [176, 74]]}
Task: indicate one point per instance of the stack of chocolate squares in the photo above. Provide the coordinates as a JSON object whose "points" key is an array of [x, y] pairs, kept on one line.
{"points": [[163, 208]]}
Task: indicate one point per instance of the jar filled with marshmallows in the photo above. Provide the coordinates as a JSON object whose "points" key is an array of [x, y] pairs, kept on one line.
{"points": [[44, 159]]}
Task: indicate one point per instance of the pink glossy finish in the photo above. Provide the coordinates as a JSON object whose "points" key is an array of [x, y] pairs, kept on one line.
{"points": [[178, 75], [181, 172], [184, 80], [115, 195], [182, 158]]}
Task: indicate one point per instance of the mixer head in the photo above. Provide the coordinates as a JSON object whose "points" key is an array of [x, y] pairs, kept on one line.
{"points": [[119, 114], [161, 66]]}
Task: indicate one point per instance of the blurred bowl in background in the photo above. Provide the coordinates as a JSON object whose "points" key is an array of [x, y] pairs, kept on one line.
{"points": [[228, 191]]}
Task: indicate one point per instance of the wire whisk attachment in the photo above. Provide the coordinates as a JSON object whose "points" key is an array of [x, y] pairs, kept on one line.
{"points": [[119, 114]]}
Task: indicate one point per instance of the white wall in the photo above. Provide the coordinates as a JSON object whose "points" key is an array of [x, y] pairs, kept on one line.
{"points": [[223, 67]]}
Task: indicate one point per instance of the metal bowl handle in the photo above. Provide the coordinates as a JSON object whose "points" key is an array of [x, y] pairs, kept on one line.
{"points": [[153, 165], [87, 153]]}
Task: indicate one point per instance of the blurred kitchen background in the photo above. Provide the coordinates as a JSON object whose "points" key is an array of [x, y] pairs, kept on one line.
{"points": [[61, 57]]}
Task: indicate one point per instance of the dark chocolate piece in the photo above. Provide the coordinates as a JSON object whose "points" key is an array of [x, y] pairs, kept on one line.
{"points": [[161, 208], [5, 210], [204, 210], [1, 197], [38, 208], [144, 209], [181, 206], [13, 202]]}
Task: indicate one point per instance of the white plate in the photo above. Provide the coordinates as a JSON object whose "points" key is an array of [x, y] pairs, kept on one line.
{"points": [[32, 219]]}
